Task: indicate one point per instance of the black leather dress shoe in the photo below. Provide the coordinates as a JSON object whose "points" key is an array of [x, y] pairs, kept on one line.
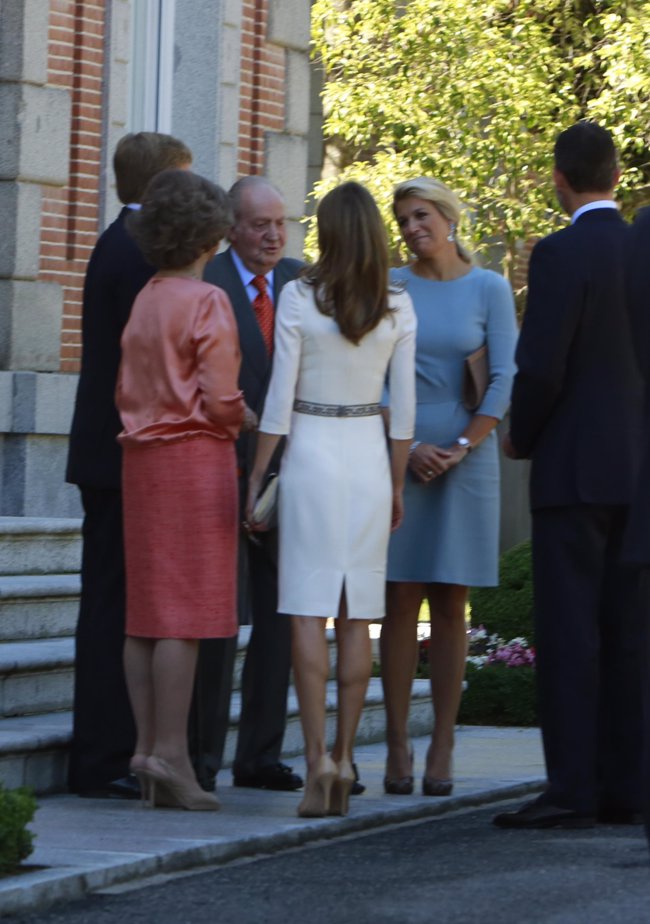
{"points": [[609, 815], [276, 776], [126, 787], [542, 814], [357, 787]]}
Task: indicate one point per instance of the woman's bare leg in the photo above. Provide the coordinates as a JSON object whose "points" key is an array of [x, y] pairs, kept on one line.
{"points": [[399, 655], [353, 667], [173, 668], [447, 655], [138, 655], [310, 658]]}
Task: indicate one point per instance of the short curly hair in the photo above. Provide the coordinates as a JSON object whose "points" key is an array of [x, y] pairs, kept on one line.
{"points": [[182, 216]]}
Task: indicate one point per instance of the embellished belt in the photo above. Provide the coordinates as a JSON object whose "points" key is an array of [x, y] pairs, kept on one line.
{"points": [[336, 410]]}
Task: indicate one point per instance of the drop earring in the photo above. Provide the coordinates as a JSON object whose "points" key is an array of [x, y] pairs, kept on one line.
{"points": [[451, 237]]}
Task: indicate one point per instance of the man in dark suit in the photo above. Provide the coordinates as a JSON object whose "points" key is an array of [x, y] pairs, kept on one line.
{"points": [[253, 260], [637, 545], [577, 407], [103, 734]]}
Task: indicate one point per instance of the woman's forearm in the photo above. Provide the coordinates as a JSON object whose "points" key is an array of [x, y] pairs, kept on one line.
{"points": [[399, 456]]}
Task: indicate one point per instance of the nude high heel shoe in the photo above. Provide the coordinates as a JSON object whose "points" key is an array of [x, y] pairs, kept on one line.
{"points": [[170, 789], [138, 767], [341, 787], [316, 801]]}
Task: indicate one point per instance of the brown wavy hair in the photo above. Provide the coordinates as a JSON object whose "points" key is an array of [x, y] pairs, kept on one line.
{"points": [[139, 157], [350, 277], [182, 216]]}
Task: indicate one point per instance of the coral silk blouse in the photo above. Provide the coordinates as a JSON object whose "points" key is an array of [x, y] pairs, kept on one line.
{"points": [[180, 364]]}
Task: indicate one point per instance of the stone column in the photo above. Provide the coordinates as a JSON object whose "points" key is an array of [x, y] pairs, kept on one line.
{"points": [[287, 152], [34, 152]]}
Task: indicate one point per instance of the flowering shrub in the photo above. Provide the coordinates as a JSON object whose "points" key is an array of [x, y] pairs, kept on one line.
{"points": [[487, 649], [508, 608], [497, 694]]}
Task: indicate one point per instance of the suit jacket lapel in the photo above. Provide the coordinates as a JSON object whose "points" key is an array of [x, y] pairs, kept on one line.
{"points": [[250, 337]]}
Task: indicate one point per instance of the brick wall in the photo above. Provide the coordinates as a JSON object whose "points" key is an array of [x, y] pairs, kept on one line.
{"points": [[263, 75], [70, 215], [69, 224]]}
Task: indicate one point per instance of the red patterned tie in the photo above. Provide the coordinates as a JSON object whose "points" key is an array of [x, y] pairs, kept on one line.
{"points": [[264, 312]]}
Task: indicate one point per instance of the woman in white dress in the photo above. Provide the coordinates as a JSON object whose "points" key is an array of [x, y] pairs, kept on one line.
{"points": [[340, 330]]}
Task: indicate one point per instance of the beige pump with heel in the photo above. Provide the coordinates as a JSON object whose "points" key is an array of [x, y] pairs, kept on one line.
{"points": [[169, 789], [316, 801]]}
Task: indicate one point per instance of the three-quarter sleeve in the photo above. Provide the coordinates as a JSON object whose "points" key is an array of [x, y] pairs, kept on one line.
{"points": [[501, 338], [276, 417], [218, 360], [401, 373]]}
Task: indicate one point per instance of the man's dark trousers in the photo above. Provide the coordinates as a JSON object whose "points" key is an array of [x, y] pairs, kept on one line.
{"points": [[637, 546], [101, 699], [265, 675], [589, 683]]}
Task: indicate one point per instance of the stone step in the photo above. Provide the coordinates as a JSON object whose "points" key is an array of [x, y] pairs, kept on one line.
{"points": [[33, 749], [38, 606], [36, 675], [40, 545]]}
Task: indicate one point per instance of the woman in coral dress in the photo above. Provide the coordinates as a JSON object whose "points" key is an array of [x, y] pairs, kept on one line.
{"points": [[181, 409]]}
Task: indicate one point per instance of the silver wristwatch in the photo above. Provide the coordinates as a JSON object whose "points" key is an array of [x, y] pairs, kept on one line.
{"points": [[463, 442]]}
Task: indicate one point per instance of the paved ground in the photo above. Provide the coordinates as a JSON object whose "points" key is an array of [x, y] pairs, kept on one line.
{"points": [[455, 868], [84, 845]]}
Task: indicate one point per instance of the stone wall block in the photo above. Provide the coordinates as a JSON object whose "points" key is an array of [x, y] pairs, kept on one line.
{"points": [[230, 53], [54, 403], [232, 13], [6, 401], [121, 30], [286, 159], [230, 116], [297, 103], [35, 121], [33, 477], [196, 85], [30, 325], [289, 23], [23, 40], [20, 206]]}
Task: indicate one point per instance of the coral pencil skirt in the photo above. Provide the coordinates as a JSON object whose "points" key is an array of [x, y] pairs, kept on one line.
{"points": [[181, 523]]}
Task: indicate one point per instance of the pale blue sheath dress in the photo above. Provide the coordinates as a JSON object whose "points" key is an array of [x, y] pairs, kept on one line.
{"points": [[450, 532]]}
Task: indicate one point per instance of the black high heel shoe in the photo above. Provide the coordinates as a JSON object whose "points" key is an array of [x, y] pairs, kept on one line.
{"points": [[433, 787], [400, 785]]}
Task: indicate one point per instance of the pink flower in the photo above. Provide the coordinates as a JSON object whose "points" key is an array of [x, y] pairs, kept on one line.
{"points": [[515, 654]]}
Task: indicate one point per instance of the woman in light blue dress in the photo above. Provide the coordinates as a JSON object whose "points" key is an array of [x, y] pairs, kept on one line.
{"points": [[449, 539]]}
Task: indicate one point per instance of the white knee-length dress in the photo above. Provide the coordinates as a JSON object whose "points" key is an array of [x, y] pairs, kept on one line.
{"points": [[335, 485]]}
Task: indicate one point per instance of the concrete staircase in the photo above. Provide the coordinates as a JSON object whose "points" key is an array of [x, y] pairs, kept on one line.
{"points": [[39, 590]]}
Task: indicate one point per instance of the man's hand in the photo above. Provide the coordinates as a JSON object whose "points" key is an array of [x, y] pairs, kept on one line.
{"points": [[508, 449]]}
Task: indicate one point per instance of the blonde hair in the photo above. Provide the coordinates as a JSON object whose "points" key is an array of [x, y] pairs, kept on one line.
{"points": [[441, 197]]}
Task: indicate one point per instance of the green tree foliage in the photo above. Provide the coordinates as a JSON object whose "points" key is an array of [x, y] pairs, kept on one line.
{"points": [[475, 94]]}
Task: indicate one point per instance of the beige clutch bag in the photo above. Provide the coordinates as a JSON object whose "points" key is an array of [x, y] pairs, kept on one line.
{"points": [[266, 506], [476, 375]]}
